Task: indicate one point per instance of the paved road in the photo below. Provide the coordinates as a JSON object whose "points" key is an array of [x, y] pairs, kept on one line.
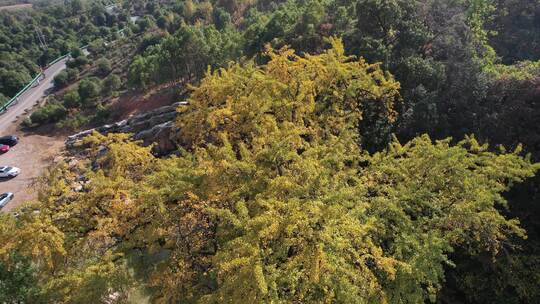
{"points": [[32, 154], [30, 97]]}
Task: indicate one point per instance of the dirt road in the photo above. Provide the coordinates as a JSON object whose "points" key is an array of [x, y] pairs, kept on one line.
{"points": [[16, 7]]}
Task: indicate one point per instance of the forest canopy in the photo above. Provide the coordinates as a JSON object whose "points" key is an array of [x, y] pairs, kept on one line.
{"points": [[272, 199], [335, 151]]}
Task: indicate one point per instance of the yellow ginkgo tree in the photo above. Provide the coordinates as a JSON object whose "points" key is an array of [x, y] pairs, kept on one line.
{"points": [[271, 199]]}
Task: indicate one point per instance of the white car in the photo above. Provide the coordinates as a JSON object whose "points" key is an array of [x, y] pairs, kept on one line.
{"points": [[7, 172], [5, 198]]}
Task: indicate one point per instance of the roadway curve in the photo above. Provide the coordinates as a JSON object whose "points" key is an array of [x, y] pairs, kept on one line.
{"points": [[30, 98], [34, 152]]}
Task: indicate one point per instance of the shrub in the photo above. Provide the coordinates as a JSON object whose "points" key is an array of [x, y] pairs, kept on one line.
{"points": [[102, 114], [27, 122], [97, 46], [72, 74], [61, 80], [73, 123], [72, 99], [3, 99], [77, 62], [76, 52], [110, 84], [88, 89], [103, 67], [49, 113]]}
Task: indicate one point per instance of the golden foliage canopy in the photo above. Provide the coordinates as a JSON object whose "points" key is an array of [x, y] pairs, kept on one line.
{"points": [[273, 201]]}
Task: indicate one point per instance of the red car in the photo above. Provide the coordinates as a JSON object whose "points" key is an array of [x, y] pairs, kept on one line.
{"points": [[4, 148]]}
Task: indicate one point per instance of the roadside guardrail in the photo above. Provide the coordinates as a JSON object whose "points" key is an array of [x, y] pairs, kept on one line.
{"points": [[15, 98], [36, 79]]}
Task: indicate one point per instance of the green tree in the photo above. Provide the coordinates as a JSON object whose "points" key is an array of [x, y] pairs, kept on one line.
{"points": [[76, 52], [89, 88], [18, 282], [61, 80], [162, 22], [145, 24], [12, 81], [72, 99], [506, 116], [78, 62], [222, 18], [49, 113], [103, 67], [3, 99], [97, 46], [140, 72], [72, 74], [518, 35], [76, 6], [111, 84], [185, 55]]}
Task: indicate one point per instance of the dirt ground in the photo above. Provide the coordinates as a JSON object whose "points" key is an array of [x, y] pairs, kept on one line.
{"points": [[16, 6], [36, 150], [32, 155], [133, 103]]}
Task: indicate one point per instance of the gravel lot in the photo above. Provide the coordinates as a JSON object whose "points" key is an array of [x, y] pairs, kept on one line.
{"points": [[32, 155], [34, 152]]}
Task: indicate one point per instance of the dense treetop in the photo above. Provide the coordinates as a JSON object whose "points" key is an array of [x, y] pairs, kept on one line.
{"points": [[325, 155], [273, 199]]}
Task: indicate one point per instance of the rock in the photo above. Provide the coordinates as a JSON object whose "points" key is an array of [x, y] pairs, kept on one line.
{"points": [[154, 127], [161, 136], [102, 151], [73, 162]]}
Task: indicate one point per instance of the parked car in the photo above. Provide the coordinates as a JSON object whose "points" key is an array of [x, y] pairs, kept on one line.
{"points": [[7, 172], [10, 140], [4, 148], [5, 198]]}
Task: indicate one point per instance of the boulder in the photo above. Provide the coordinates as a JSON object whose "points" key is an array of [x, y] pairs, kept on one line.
{"points": [[154, 127]]}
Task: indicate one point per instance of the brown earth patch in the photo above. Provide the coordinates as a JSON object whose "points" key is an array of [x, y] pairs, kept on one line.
{"points": [[33, 155], [133, 103], [16, 7]]}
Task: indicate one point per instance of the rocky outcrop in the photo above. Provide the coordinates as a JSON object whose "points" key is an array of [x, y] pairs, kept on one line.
{"points": [[154, 127]]}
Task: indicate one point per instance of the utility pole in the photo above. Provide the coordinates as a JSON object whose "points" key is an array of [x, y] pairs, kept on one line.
{"points": [[41, 38]]}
